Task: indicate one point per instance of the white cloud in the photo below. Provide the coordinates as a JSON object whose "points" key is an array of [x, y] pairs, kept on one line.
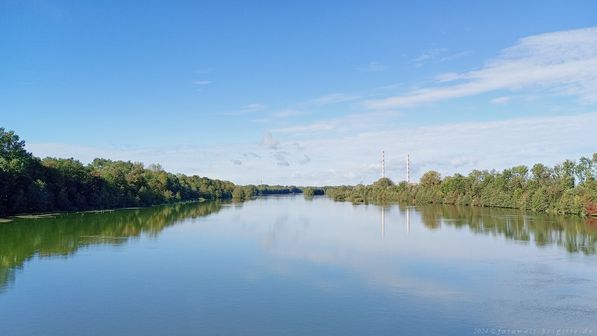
{"points": [[269, 142], [563, 62], [450, 148], [281, 159], [251, 155], [354, 158], [345, 149], [500, 100], [448, 77]]}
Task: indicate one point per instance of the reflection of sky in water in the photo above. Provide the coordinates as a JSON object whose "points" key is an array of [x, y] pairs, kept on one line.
{"points": [[293, 266], [390, 250]]}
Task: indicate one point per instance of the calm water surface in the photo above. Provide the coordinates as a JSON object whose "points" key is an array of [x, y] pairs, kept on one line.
{"points": [[290, 266]]}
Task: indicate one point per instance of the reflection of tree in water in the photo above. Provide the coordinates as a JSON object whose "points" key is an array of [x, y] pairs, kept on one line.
{"points": [[431, 219], [573, 233], [63, 235]]}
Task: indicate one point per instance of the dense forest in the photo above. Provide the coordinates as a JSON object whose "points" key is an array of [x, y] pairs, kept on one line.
{"points": [[32, 185], [567, 188], [29, 184]]}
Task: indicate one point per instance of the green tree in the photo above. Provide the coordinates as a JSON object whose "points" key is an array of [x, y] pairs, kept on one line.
{"points": [[28, 184], [540, 172], [383, 182], [431, 178], [584, 169]]}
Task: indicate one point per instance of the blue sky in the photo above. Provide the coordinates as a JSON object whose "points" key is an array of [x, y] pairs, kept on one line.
{"points": [[305, 92]]}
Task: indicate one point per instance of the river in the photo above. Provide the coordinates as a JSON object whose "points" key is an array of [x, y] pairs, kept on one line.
{"points": [[295, 266]]}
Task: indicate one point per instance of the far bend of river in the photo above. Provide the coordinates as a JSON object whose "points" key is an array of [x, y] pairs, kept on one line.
{"points": [[290, 266]]}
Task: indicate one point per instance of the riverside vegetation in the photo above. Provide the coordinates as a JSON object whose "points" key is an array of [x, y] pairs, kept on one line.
{"points": [[32, 185], [567, 188]]}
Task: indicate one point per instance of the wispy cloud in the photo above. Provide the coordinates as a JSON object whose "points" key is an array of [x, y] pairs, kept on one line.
{"points": [[269, 142], [438, 55], [254, 107], [448, 148], [332, 98], [500, 100], [448, 77], [306, 159], [202, 82], [430, 54], [281, 159], [246, 109], [286, 113], [374, 66], [252, 155], [351, 122], [307, 128], [563, 62], [306, 107]]}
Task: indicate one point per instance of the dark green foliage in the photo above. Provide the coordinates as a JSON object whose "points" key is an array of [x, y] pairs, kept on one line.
{"points": [[570, 187], [239, 194], [31, 185], [310, 192], [383, 183], [262, 190], [249, 191]]}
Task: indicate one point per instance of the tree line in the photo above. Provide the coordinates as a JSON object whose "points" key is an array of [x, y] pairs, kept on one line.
{"points": [[29, 184], [249, 191], [567, 188], [32, 185]]}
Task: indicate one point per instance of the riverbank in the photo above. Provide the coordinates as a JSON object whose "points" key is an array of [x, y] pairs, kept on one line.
{"points": [[545, 191], [57, 213]]}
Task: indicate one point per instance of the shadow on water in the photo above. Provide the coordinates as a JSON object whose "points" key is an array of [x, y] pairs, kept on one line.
{"points": [[63, 235]]}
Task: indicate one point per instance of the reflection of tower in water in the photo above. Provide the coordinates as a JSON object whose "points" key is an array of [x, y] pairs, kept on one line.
{"points": [[383, 222], [407, 220]]}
